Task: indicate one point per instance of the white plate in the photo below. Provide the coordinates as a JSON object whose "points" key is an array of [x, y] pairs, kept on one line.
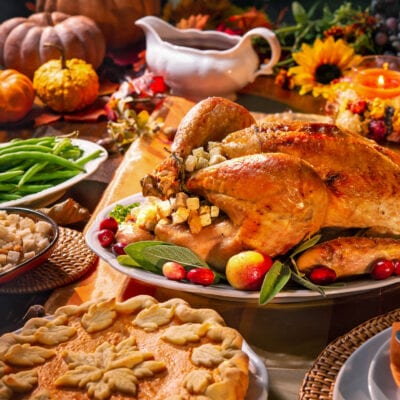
{"points": [[47, 196], [381, 383], [258, 378], [221, 291], [352, 379]]}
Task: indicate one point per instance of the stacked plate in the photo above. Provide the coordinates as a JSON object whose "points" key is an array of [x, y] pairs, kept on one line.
{"points": [[366, 374]]}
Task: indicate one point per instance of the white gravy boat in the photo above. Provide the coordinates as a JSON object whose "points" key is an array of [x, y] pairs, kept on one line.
{"points": [[197, 64]]}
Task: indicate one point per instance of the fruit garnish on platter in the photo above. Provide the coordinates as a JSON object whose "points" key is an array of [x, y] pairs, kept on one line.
{"points": [[231, 185]]}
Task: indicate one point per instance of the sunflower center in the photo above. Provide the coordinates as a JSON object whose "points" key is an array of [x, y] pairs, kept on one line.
{"points": [[326, 73]]}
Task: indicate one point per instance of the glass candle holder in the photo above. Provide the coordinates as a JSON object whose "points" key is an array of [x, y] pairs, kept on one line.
{"points": [[377, 77], [367, 100]]}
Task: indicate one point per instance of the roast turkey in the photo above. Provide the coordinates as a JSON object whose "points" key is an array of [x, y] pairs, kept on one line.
{"points": [[280, 183]]}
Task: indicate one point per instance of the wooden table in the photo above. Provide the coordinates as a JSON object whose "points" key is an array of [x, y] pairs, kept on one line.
{"points": [[288, 337]]}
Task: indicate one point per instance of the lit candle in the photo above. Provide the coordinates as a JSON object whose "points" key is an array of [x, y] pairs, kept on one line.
{"points": [[383, 83]]}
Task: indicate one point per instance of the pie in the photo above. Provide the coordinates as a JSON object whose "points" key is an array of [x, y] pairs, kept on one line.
{"points": [[135, 349]]}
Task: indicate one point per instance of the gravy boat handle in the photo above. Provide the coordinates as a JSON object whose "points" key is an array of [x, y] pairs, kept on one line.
{"points": [[270, 37]]}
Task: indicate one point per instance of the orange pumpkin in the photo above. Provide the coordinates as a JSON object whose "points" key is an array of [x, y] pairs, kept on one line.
{"points": [[23, 41], [16, 95], [114, 17]]}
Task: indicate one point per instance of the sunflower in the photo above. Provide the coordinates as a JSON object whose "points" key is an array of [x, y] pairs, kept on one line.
{"points": [[320, 64]]}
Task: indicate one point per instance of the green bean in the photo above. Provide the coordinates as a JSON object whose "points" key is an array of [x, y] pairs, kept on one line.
{"points": [[28, 189], [42, 140], [72, 153], [21, 166], [29, 173], [7, 187], [39, 156], [83, 160], [17, 143], [9, 175], [44, 149], [61, 145], [54, 175], [9, 196]]}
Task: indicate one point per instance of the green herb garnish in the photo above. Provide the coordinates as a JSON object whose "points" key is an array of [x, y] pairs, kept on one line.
{"points": [[151, 255], [120, 212], [282, 271]]}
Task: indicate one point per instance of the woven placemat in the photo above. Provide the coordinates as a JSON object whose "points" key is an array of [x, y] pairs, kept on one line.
{"points": [[319, 382], [70, 260]]}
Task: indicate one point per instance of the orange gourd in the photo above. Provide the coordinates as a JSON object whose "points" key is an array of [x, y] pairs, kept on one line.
{"points": [[16, 95], [22, 40], [115, 18]]}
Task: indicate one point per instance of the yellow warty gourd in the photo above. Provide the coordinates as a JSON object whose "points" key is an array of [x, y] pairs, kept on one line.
{"points": [[66, 86]]}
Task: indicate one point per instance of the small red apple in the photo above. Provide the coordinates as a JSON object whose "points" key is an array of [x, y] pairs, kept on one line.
{"points": [[246, 270], [174, 271]]}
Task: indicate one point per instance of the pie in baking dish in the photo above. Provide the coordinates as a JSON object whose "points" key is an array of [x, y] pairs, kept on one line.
{"points": [[135, 349]]}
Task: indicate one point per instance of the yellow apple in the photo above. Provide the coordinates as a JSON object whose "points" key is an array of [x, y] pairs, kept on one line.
{"points": [[246, 270]]}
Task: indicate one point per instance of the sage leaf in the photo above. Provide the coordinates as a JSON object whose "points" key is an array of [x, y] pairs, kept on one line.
{"points": [[305, 245], [128, 261], [136, 252], [182, 255], [274, 281]]}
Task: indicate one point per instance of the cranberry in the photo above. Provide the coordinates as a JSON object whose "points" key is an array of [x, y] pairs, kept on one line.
{"points": [[396, 264], [106, 237], [118, 248], [174, 271], [377, 130], [109, 223], [321, 275], [382, 269], [358, 107], [201, 276]]}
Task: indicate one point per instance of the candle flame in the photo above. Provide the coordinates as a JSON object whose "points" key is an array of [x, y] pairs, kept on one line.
{"points": [[381, 81]]}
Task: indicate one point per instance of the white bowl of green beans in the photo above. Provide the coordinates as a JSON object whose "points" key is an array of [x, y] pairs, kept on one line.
{"points": [[37, 171]]}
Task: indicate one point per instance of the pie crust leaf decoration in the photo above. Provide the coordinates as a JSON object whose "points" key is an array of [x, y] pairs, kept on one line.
{"points": [[5, 391], [122, 380], [80, 376], [25, 355], [99, 316], [99, 390], [197, 381], [109, 369], [229, 337], [153, 317], [22, 381], [149, 368], [184, 334], [208, 356], [135, 304], [52, 335]]}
